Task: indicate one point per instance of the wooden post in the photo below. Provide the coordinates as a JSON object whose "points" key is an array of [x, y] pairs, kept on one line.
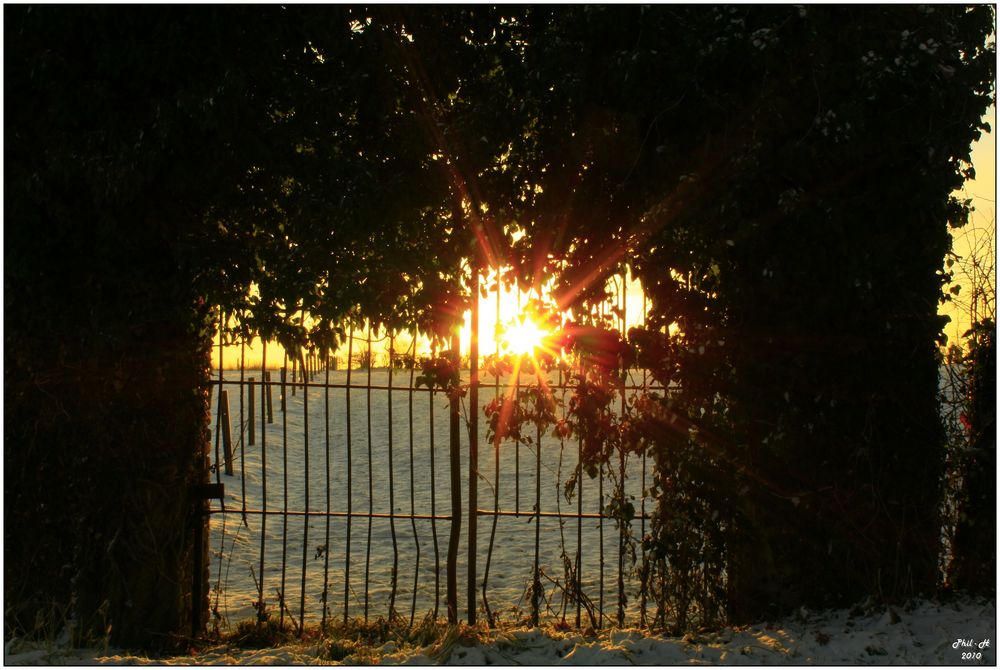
{"points": [[227, 433], [284, 376], [251, 428], [267, 390]]}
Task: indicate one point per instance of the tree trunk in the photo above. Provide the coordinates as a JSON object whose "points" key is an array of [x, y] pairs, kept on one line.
{"points": [[848, 509], [103, 451], [106, 434], [975, 559]]}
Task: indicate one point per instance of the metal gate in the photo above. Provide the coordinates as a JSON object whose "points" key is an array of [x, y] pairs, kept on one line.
{"points": [[354, 488]]}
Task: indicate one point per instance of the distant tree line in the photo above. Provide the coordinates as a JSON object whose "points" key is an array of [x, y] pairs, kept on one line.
{"points": [[780, 178]]}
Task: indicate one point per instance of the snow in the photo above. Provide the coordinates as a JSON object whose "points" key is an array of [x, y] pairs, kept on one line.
{"points": [[923, 633], [293, 546]]}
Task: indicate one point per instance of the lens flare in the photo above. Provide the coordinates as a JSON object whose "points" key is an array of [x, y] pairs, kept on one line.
{"points": [[524, 336]]}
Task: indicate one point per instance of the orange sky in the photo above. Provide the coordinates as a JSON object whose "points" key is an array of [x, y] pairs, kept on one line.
{"points": [[489, 315], [981, 230]]}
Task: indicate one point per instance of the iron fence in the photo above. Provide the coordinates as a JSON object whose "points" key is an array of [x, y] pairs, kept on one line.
{"points": [[347, 483]]}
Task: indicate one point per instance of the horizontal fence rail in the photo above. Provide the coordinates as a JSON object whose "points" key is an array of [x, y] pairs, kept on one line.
{"points": [[338, 479]]}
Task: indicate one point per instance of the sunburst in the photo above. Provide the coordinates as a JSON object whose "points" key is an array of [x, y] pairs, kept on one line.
{"points": [[524, 336]]}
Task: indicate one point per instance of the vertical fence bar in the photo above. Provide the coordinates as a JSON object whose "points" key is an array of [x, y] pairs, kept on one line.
{"points": [[473, 445], [536, 584], [571, 588], [228, 441], [413, 504], [305, 499], [282, 601], [456, 489], [250, 430], [393, 579], [326, 541], [644, 581], [621, 471], [434, 535], [371, 483], [515, 400], [600, 533], [600, 525], [579, 526], [261, 613], [218, 410], [497, 437], [350, 470]]}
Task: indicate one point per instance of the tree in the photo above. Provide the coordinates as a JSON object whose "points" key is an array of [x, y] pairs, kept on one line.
{"points": [[107, 345]]}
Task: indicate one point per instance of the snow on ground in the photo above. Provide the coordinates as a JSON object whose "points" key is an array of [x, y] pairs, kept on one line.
{"points": [[926, 633]]}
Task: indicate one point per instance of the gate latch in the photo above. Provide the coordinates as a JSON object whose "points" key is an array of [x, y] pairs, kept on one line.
{"points": [[208, 491]]}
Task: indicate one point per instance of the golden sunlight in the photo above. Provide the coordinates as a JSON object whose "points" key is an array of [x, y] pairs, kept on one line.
{"points": [[523, 336], [520, 323]]}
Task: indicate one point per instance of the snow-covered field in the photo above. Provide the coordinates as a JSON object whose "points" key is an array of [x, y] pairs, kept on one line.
{"points": [[957, 633], [398, 462]]}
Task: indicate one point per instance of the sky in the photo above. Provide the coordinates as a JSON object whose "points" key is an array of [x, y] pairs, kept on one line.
{"points": [[981, 229], [490, 313]]}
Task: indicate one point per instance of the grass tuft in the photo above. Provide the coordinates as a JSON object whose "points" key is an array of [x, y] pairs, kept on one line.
{"points": [[255, 634]]}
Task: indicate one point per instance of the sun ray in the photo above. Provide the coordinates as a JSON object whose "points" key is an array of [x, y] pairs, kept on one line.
{"points": [[524, 336]]}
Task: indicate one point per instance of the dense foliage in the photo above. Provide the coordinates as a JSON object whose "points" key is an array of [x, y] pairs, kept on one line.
{"points": [[974, 559], [780, 178]]}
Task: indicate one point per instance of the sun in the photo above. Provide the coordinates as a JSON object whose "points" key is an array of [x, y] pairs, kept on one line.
{"points": [[524, 336]]}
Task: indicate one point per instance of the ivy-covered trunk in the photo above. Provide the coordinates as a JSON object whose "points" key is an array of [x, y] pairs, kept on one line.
{"points": [[137, 512], [836, 427], [975, 560], [106, 433], [102, 451]]}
